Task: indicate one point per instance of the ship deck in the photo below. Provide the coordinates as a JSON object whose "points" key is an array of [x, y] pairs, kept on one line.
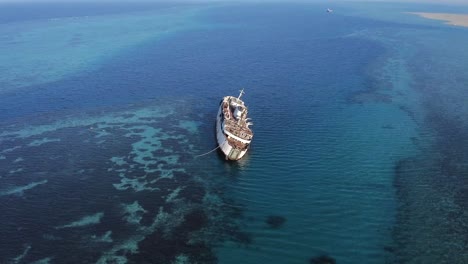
{"points": [[237, 127]]}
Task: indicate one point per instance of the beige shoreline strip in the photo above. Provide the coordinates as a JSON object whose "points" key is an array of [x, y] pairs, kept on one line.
{"points": [[450, 19]]}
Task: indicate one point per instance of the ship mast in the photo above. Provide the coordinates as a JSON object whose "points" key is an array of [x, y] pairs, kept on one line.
{"points": [[241, 93]]}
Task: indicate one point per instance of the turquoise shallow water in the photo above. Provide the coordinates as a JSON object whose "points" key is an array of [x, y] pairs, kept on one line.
{"points": [[358, 154]]}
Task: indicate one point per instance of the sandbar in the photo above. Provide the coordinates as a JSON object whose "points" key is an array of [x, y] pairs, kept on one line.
{"points": [[449, 18]]}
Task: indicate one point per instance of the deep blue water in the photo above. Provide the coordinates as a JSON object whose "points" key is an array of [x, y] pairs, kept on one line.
{"points": [[354, 149]]}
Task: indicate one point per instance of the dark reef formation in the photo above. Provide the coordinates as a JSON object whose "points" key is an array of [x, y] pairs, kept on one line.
{"points": [[322, 259], [431, 186], [275, 221], [150, 195]]}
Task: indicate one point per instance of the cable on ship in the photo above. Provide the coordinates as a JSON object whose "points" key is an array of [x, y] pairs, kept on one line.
{"points": [[207, 152]]}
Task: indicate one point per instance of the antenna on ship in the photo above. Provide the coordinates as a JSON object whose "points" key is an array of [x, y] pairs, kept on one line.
{"points": [[241, 93]]}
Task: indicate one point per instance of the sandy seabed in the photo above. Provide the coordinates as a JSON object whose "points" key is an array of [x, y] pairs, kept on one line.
{"points": [[450, 19]]}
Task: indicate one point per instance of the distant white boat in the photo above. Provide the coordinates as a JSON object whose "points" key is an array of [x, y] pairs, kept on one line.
{"points": [[329, 10]]}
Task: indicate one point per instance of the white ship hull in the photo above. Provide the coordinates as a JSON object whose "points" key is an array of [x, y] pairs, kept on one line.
{"points": [[234, 146]]}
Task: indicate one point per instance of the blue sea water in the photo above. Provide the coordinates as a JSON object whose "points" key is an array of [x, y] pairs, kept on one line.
{"points": [[358, 154]]}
